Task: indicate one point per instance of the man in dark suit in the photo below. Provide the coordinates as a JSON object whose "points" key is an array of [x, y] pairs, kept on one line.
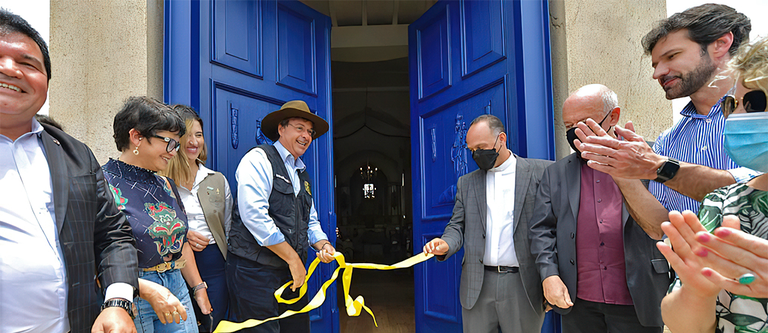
{"points": [[499, 282], [59, 227], [599, 268]]}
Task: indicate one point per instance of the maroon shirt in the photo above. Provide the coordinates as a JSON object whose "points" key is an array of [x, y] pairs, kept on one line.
{"points": [[601, 273]]}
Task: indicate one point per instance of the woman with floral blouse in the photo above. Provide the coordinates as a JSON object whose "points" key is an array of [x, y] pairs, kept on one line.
{"points": [[147, 134]]}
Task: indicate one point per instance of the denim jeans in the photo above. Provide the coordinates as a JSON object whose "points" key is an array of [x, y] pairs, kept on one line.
{"points": [[147, 322]]}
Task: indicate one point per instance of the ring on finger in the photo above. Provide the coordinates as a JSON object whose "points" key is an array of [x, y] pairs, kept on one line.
{"points": [[175, 313], [746, 278], [167, 314]]}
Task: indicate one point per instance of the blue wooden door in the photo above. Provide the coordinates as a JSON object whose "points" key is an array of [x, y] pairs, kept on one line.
{"points": [[467, 58], [235, 61]]}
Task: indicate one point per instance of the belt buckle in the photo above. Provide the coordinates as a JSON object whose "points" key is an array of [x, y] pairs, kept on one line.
{"points": [[498, 269], [163, 267]]}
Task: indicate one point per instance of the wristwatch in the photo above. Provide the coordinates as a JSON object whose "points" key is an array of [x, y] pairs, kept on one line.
{"points": [[667, 170], [120, 303]]}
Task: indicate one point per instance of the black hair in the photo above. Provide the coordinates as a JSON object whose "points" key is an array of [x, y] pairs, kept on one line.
{"points": [[494, 123], [11, 23], [148, 116], [705, 24]]}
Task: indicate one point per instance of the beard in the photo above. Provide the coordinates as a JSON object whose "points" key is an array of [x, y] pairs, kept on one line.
{"points": [[692, 81]]}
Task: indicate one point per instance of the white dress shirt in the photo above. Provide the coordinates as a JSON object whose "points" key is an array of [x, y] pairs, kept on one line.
{"points": [[33, 282], [33, 279], [254, 185], [500, 198], [195, 215]]}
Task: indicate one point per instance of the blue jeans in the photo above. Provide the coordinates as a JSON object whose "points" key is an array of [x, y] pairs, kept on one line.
{"points": [[147, 322]]}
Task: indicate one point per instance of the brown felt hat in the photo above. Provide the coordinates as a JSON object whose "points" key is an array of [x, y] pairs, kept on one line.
{"points": [[289, 110]]}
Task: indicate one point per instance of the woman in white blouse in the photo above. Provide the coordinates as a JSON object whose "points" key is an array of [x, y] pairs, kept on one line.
{"points": [[208, 203]]}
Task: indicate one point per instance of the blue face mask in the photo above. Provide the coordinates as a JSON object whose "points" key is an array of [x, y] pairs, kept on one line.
{"points": [[746, 139]]}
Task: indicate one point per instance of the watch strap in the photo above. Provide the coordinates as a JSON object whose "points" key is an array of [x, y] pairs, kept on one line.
{"points": [[667, 170], [120, 303]]}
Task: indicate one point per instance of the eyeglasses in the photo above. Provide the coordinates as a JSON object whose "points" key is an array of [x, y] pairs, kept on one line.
{"points": [[754, 101], [172, 143], [585, 121], [301, 128]]}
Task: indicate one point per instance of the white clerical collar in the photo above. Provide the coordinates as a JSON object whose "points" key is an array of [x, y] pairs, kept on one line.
{"points": [[504, 166]]}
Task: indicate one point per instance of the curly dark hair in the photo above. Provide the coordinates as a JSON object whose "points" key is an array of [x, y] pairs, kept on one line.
{"points": [[11, 23], [705, 24], [148, 116]]}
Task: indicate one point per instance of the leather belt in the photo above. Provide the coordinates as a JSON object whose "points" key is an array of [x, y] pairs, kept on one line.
{"points": [[167, 266], [503, 269]]}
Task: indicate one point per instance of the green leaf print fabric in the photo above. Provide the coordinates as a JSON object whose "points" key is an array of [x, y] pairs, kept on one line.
{"points": [[736, 313]]}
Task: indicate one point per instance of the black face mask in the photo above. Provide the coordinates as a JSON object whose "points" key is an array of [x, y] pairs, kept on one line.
{"points": [[486, 158], [570, 135]]}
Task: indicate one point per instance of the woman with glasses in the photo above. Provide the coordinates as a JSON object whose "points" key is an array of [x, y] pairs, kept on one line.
{"points": [[208, 202], [147, 134], [721, 257]]}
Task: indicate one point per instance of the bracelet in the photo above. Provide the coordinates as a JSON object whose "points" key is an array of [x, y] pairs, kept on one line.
{"points": [[324, 244], [202, 285]]}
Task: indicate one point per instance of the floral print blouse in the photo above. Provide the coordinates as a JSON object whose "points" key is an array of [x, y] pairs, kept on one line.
{"points": [[158, 220], [736, 313]]}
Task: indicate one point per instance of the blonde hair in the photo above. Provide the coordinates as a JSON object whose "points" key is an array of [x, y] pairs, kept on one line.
{"points": [[178, 167], [751, 64]]}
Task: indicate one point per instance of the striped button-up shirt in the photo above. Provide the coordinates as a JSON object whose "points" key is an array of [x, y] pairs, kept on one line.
{"points": [[696, 139]]}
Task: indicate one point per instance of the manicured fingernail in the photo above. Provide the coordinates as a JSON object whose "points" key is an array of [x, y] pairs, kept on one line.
{"points": [[706, 272], [701, 252], [723, 232], [703, 237]]}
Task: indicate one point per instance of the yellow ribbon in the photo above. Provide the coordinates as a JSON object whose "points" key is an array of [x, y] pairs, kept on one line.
{"points": [[354, 307]]}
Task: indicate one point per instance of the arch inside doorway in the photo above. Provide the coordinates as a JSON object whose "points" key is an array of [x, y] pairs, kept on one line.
{"points": [[372, 129]]}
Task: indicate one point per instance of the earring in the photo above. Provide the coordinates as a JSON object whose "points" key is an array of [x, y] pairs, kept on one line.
{"points": [[136, 150]]}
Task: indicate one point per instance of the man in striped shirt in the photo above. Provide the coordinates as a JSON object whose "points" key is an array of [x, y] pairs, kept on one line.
{"points": [[688, 52]]}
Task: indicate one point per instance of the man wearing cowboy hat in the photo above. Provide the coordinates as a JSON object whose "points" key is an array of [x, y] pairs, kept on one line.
{"points": [[275, 221]]}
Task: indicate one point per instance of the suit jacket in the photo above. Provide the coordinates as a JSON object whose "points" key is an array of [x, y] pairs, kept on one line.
{"points": [[94, 236], [553, 242], [468, 223]]}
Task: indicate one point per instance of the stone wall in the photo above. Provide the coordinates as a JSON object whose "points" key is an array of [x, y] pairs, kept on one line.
{"points": [[598, 41], [102, 52]]}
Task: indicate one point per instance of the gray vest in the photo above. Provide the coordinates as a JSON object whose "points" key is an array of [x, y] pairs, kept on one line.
{"points": [[211, 193], [290, 213]]}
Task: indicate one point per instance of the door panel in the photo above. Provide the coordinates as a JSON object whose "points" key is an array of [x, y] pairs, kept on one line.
{"points": [[433, 37], [467, 58], [233, 46], [236, 61], [483, 45], [296, 49]]}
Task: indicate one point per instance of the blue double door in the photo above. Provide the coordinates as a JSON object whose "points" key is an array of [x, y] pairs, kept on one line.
{"points": [[235, 61]]}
